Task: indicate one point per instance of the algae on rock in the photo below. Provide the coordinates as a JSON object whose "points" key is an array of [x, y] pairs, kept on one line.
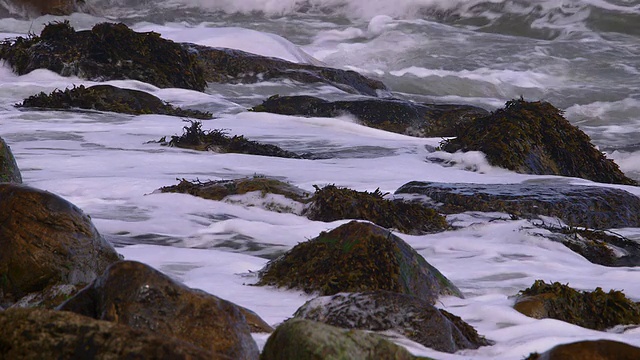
{"points": [[9, 171]]}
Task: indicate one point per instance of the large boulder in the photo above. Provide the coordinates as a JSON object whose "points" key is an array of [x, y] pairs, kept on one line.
{"points": [[402, 314], [32, 334], [108, 98], [9, 171], [593, 310], [106, 52], [395, 115], [46, 241], [534, 138], [357, 257], [590, 350], [143, 298], [309, 340]]}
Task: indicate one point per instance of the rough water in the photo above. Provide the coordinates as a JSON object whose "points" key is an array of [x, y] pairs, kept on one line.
{"points": [[583, 56]]}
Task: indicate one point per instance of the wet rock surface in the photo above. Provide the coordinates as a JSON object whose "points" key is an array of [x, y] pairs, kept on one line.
{"points": [[590, 350], [9, 171], [403, 314], [50, 7], [108, 98], [134, 294], [395, 115], [600, 247], [534, 138], [306, 340], [588, 206], [357, 257], [45, 241]]}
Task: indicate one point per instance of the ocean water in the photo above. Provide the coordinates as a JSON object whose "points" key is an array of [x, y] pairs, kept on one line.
{"points": [[583, 56]]}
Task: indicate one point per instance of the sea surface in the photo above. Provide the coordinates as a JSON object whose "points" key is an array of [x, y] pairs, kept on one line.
{"points": [[583, 56]]}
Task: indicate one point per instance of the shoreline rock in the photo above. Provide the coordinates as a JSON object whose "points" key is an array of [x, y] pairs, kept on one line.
{"points": [[9, 171]]}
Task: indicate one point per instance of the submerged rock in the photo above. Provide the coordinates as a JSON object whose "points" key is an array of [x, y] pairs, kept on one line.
{"points": [[236, 66], [37, 333], [534, 138], [399, 116], [106, 52], [137, 295], [600, 247], [332, 203], [403, 314], [46, 241], [576, 205], [357, 257], [9, 171], [593, 310], [590, 350], [309, 340], [108, 98]]}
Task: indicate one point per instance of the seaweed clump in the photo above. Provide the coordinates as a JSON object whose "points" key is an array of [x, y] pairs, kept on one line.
{"points": [[108, 98], [332, 203], [600, 247], [217, 140], [534, 138], [593, 310]]}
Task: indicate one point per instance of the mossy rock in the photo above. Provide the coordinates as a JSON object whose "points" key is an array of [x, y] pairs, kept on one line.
{"points": [[534, 138], [309, 340], [399, 313], [600, 247], [193, 137], [357, 257], [394, 115], [332, 203], [236, 66], [590, 350], [9, 171], [588, 206], [106, 52], [593, 310], [108, 98]]}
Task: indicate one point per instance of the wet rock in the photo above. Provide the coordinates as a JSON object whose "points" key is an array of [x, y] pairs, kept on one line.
{"points": [[32, 334], [216, 140], [593, 310], [49, 298], [9, 171], [357, 257], [599, 247], [588, 206], [402, 314], [590, 350], [108, 98], [332, 203], [45, 241], [399, 116], [106, 52], [50, 7], [534, 138], [236, 66], [306, 340], [141, 297]]}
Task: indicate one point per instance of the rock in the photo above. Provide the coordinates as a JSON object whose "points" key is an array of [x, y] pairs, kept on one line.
{"points": [[357, 257], [402, 314], [593, 310], [534, 138], [106, 52], [332, 203], [134, 294], [49, 298], [588, 206], [195, 138], [45, 241], [32, 334], [9, 171], [108, 98], [236, 66], [50, 7], [599, 247], [309, 340], [395, 115], [590, 350]]}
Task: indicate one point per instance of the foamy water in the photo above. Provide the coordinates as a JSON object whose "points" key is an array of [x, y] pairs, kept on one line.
{"points": [[456, 51]]}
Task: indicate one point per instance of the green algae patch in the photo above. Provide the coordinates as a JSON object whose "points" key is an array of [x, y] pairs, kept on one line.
{"points": [[534, 138], [593, 310], [108, 98], [356, 257], [217, 140], [332, 203]]}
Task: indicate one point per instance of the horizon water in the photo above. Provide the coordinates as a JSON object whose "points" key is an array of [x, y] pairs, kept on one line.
{"points": [[583, 56]]}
